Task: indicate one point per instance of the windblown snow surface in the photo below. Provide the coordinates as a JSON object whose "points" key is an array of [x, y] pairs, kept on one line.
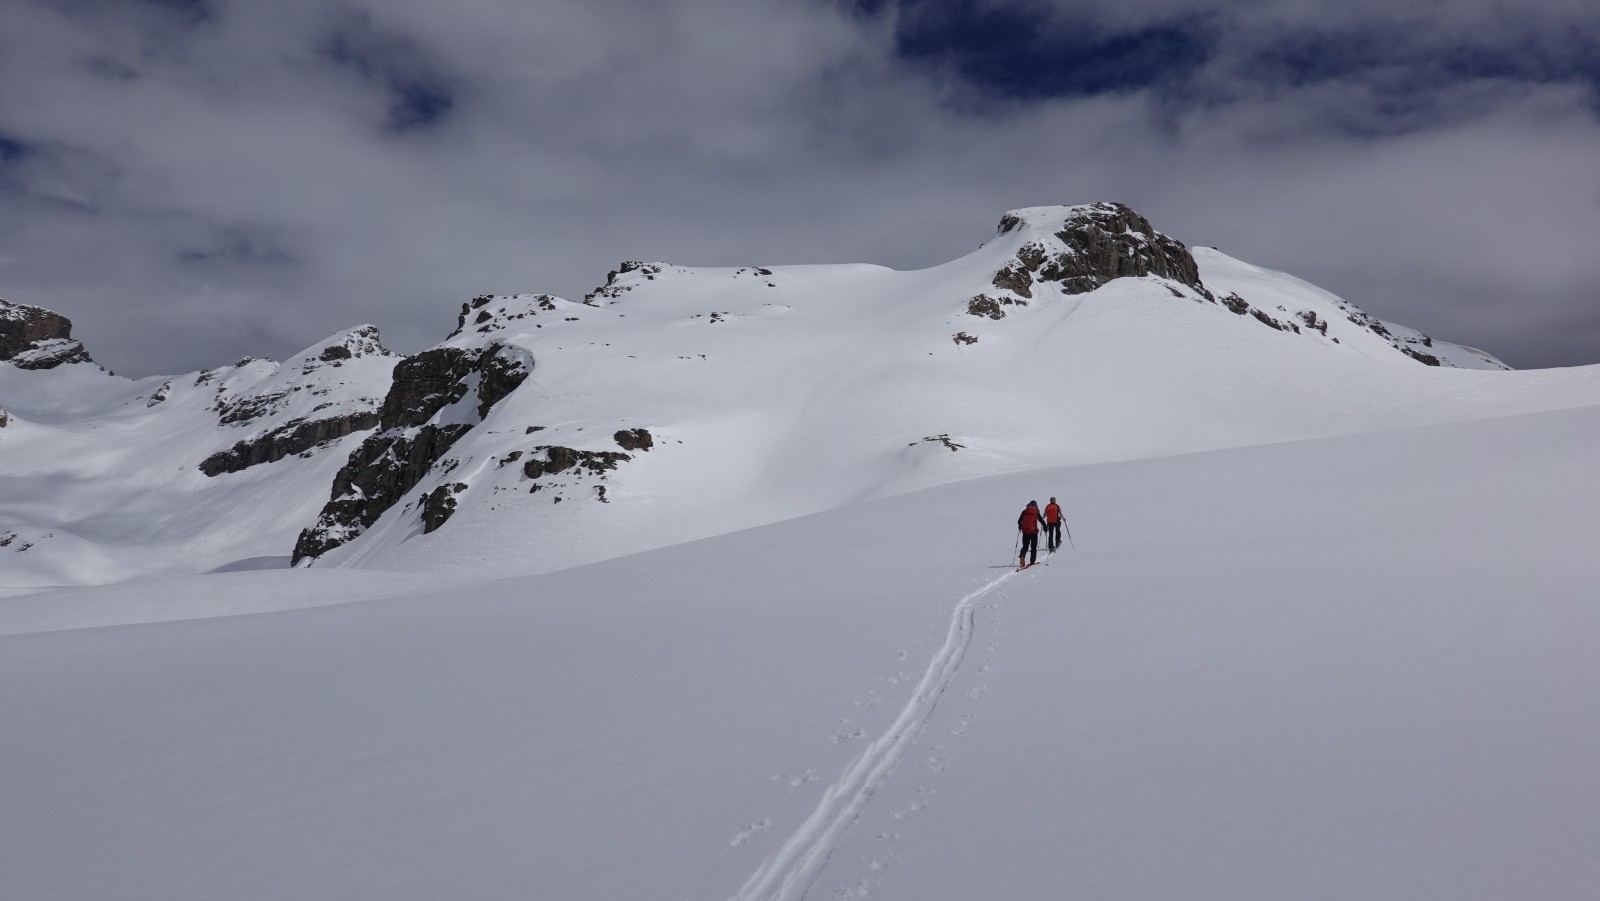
{"points": [[1326, 629]]}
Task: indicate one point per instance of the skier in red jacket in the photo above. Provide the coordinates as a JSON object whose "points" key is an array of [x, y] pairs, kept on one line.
{"points": [[1028, 523], [1052, 525]]}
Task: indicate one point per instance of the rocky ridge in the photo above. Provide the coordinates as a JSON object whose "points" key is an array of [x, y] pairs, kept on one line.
{"points": [[335, 411], [1069, 251], [397, 446]]}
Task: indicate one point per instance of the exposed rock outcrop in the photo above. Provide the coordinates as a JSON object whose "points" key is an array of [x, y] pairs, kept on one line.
{"points": [[380, 472], [37, 338], [942, 438], [426, 383], [426, 410], [634, 439], [992, 307], [306, 375], [439, 504], [560, 459], [295, 437], [361, 341], [489, 313], [501, 370], [616, 286], [1093, 245]]}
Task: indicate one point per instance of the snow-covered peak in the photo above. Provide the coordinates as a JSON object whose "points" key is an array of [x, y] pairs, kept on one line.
{"points": [[338, 349], [1077, 249], [1055, 217], [631, 274]]}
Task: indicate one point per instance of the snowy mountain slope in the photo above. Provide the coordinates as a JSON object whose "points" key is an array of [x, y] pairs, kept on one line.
{"points": [[1075, 335], [1350, 667], [103, 478], [677, 403], [1334, 317]]}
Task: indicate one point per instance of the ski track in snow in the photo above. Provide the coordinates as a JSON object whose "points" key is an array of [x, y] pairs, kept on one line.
{"points": [[788, 873]]}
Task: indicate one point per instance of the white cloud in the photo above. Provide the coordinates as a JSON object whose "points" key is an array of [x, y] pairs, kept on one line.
{"points": [[233, 190]]}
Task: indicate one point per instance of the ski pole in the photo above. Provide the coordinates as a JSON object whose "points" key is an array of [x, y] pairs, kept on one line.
{"points": [[1018, 543], [1069, 533]]}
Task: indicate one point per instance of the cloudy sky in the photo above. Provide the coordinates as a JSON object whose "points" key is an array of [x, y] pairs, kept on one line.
{"points": [[197, 180]]}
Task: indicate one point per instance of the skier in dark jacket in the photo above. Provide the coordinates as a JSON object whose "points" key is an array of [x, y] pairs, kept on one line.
{"points": [[1028, 523]]}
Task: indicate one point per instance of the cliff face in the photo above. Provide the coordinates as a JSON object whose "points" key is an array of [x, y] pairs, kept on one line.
{"points": [[436, 397], [37, 338]]}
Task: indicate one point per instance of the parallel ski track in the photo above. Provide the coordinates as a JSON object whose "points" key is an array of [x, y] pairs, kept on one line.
{"points": [[787, 874]]}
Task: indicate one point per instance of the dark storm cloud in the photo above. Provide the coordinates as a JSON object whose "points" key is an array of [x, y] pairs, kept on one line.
{"points": [[197, 181], [1017, 51], [417, 94]]}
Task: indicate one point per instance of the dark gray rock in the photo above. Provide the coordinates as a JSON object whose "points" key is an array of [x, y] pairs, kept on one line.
{"points": [[984, 305], [406, 449], [501, 370], [439, 504], [426, 383], [37, 338], [1312, 321], [634, 439], [1014, 277], [1266, 320], [1420, 357], [297, 436], [379, 473], [559, 459], [611, 290], [247, 408], [1106, 241], [51, 353]]}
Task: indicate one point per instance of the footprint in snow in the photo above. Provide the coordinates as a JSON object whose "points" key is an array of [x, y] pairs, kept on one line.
{"points": [[916, 807], [810, 775], [859, 889], [977, 691], [743, 835], [840, 738]]}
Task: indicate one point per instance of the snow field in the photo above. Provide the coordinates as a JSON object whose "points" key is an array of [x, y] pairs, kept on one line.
{"points": [[1350, 667]]}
